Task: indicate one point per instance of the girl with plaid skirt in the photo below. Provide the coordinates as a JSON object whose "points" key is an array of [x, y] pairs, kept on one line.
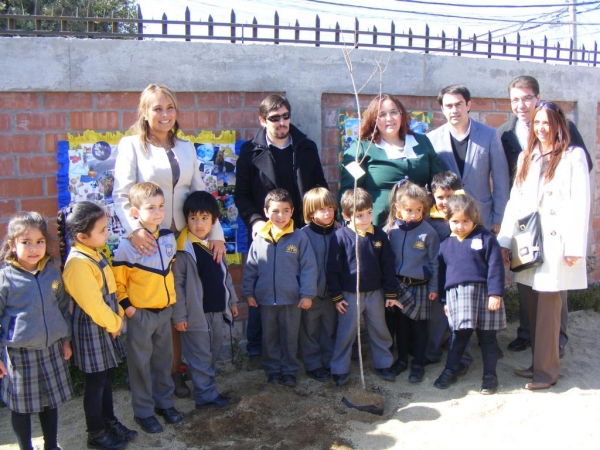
{"points": [[471, 265], [415, 245], [35, 331], [97, 320]]}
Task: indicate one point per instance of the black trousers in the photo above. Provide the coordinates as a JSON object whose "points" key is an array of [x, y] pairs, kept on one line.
{"points": [[97, 400], [489, 349], [21, 424], [413, 333]]}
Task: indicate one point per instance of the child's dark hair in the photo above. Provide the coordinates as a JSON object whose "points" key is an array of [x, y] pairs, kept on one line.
{"points": [[363, 201], [200, 202], [315, 199], [79, 218], [466, 205], [446, 180], [19, 224], [278, 195], [406, 189], [142, 191]]}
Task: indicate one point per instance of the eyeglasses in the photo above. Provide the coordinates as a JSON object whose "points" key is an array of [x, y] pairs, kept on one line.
{"points": [[526, 100], [549, 105], [392, 114], [278, 117]]}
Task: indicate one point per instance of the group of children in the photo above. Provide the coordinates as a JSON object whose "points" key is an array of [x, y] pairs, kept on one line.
{"points": [[41, 328], [305, 282]]}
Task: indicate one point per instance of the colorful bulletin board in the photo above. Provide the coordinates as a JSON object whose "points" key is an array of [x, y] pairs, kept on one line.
{"points": [[86, 171]]}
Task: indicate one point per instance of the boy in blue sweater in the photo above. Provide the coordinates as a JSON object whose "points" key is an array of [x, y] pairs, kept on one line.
{"points": [[280, 277], [378, 286]]}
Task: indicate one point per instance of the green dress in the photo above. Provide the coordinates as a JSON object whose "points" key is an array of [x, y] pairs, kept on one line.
{"points": [[382, 173]]}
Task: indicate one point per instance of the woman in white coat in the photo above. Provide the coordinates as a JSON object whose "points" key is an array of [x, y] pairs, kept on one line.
{"points": [[553, 178], [154, 153]]}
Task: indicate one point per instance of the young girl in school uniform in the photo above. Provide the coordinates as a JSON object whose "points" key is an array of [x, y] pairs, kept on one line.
{"points": [[97, 320], [35, 331], [415, 245], [472, 266]]}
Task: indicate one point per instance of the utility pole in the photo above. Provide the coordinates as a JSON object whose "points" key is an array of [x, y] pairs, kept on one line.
{"points": [[573, 28]]}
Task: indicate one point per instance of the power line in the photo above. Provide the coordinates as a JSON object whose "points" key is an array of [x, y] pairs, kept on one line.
{"points": [[494, 6]]}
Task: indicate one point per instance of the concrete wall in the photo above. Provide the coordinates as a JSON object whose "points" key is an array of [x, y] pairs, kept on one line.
{"points": [[51, 86]]}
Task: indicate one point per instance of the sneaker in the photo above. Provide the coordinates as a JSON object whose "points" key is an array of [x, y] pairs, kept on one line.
{"points": [[117, 428], [254, 363], [288, 380], [489, 384], [171, 415], [399, 366], [446, 378], [416, 374], [181, 389], [105, 440], [274, 378], [386, 374]]}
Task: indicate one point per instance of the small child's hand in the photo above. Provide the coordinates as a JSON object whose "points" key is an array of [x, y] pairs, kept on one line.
{"points": [[181, 326], [251, 301], [305, 303], [68, 352], [494, 303], [446, 310], [130, 311], [433, 296], [340, 306], [218, 250], [392, 303], [2, 370], [234, 311]]}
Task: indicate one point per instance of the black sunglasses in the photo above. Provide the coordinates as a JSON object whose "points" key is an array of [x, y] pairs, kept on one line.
{"points": [[278, 117], [549, 105]]}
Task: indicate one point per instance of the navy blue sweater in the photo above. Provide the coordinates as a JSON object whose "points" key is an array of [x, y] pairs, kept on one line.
{"points": [[376, 263], [475, 259]]}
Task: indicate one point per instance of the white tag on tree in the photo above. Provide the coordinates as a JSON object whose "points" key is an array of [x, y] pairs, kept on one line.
{"points": [[355, 170]]}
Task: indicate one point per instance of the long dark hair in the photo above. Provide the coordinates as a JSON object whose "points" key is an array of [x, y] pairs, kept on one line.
{"points": [[19, 224], [79, 218]]}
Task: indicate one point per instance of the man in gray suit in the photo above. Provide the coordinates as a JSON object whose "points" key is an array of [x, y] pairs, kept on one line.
{"points": [[474, 152]]}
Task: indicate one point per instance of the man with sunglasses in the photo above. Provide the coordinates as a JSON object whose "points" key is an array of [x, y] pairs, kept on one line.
{"points": [[279, 156], [524, 94]]}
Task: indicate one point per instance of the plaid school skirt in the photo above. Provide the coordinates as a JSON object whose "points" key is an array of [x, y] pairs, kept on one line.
{"points": [[36, 378], [414, 299], [94, 349], [468, 308]]}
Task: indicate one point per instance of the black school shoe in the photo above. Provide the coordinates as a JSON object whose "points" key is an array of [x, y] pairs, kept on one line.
{"points": [[321, 374], [519, 345], [489, 384], [274, 378], [289, 380], [340, 380], [149, 424], [171, 415], [105, 440], [117, 428], [220, 402], [416, 374], [399, 366], [385, 374], [446, 378]]}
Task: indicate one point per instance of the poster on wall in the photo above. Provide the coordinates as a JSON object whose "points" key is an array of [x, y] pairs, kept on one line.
{"points": [[86, 172]]}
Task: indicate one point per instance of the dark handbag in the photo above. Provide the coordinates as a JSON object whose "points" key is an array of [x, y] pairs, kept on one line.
{"points": [[526, 244]]}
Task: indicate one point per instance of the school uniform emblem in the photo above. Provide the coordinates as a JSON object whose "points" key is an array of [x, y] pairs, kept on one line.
{"points": [[378, 244], [169, 249], [55, 285], [477, 244], [419, 245], [291, 249]]}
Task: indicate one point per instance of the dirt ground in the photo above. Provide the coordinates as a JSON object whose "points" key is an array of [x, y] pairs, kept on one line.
{"points": [[312, 415]]}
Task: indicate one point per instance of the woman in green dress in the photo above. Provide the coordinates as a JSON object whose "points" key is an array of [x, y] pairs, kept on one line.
{"points": [[389, 152]]}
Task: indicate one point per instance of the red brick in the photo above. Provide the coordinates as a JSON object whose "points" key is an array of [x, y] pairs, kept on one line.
{"points": [[128, 118], [249, 134], [4, 122], [239, 118], [41, 121], [20, 143], [47, 206], [332, 173], [503, 104], [117, 100], [37, 165], [482, 104], [186, 100], [51, 187], [51, 141], [2, 230], [331, 137], [415, 103], [220, 100], [21, 187], [52, 246], [7, 167], [197, 119], [596, 223], [7, 208], [438, 119], [254, 99], [19, 100], [494, 119], [67, 100], [236, 273], [347, 101], [333, 188], [99, 121], [329, 155], [330, 118]]}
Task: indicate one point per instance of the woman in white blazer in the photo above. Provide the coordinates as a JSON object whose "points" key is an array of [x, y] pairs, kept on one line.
{"points": [[553, 178], [154, 153]]}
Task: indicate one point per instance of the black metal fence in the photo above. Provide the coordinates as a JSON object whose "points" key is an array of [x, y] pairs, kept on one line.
{"points": [[276, 33]]}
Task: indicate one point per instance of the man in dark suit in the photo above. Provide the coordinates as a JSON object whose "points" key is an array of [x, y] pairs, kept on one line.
{"points": [[524, 93], [279, 156]]}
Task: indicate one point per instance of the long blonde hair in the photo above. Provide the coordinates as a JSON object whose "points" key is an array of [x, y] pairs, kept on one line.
{"points": [[142, 127]]}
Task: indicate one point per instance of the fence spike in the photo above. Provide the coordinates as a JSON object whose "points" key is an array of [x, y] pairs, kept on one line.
{"points": [[571, 52], [233, 26], [337, 32], [545, 48], [374, 35], [276, 28], [443, 40], [426, 38], [393, 36], [140, 23], [356, 32], [459, 41], [518, 46], [164, 24], [317, 31], [489, 54], [188, 27], [211, 29], [595, 52]]}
